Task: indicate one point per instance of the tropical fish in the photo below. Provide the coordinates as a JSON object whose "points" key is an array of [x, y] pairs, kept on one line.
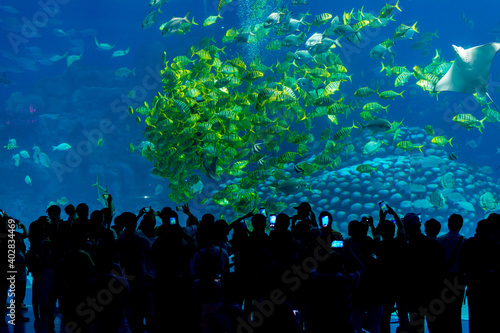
{"points": [[429, 130], [468, 121], [291, 186], [441, 141], [16, 159], [211, 20], [376, 126], [365, 168], [448, 180], [11, 144], [120, 53], [371, 147], [103, 46], [437, 199], [274, 18], [408, 146], [177, 25], [72, 58], [57, 57], [389, 94], [61, 147], [379, 51], [124, 72]]}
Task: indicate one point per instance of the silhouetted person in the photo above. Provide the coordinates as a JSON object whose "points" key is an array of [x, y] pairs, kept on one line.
{"points": [[78, 266], [425, 264], [368, 298], [283, 253], [133, 249], [329, 295], [54, 213], [451, 318], [192, 222], [432, 228], [173, 300], [478, 260], [254, 256], [70, 210], [391, 252], [81, 225], [111, 315], [38, 263]]}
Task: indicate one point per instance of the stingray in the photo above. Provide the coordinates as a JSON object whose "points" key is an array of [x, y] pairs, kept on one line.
{"points": [[470, 70]]}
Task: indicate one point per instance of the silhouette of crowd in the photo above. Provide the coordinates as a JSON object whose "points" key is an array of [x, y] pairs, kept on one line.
{"points": [[108, 273]]}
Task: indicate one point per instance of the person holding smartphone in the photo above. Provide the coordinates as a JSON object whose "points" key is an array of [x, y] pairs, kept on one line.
{"points": [[327, 233], [390, 250]]}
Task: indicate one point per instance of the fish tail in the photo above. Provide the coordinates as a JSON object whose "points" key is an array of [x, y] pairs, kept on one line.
{"points": [[420, 148], [449, 141], [401, 94], [481, 122], [336, 41], [383, 67], [361, 126], [397, 6], [192, 51], [414, 27]]}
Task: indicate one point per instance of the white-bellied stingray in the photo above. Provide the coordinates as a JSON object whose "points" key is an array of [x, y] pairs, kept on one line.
{"points": [[470, 70]]}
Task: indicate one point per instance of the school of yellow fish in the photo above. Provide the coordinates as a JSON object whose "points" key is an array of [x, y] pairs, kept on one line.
{"points": [[228, 118]]}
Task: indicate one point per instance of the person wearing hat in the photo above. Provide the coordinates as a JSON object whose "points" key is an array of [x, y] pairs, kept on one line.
{"points": [[303, 221], [304, 229]]}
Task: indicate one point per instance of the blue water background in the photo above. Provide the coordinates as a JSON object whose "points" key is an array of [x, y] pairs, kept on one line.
{"points": [[88, 92]]}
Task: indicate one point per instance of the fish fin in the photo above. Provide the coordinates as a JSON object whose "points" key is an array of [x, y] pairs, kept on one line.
{"points": [[397, 6]]}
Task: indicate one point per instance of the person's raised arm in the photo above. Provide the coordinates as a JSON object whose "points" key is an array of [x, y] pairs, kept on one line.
{"points": [[192, 219], [375, 234], [24, 234], [111, 204], [238, 220], [399, 223]]}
